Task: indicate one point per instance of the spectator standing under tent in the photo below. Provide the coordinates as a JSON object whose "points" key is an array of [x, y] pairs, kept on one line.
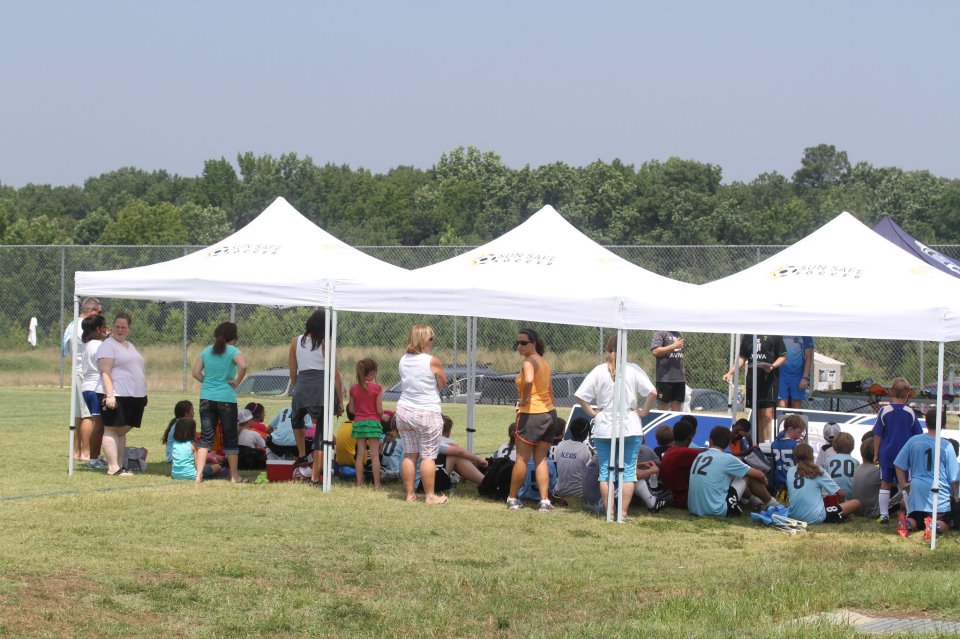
{"points": [[770, 356], [795, 372], [667, 347]]}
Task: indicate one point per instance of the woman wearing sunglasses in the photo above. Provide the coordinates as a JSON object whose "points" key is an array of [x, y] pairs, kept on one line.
{"points": [[536, 418]]}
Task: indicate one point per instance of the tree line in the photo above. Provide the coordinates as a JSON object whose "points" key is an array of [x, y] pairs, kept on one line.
{"points": [[470, 197]]}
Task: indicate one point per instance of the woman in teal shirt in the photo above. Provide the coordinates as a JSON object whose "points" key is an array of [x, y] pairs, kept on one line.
{"points": [[219, 370]]}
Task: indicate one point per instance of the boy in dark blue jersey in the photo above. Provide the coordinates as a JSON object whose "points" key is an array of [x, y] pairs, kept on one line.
{"points": [[896, 423]]}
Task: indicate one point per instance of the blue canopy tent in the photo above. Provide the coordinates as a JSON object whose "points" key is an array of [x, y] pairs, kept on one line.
{"points": [[893, 232]]}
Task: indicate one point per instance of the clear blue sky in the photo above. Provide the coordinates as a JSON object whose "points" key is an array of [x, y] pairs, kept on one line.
{"points": [[89, 87]]}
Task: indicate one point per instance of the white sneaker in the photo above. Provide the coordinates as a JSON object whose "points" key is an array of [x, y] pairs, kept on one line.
{"points": [[514, 504], [546, 506]]}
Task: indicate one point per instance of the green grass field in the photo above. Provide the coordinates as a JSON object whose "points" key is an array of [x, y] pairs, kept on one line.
{"points": [[98, 556]]}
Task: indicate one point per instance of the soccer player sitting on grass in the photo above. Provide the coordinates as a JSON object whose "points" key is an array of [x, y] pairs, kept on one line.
{"points": [[807, 484], [675, 467], [718, 480], [783, 447], [841, 466], [896, 423], [917, 458]]}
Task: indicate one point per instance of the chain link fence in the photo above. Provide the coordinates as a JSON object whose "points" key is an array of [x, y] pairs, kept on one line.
{"points": [[37, 281]]}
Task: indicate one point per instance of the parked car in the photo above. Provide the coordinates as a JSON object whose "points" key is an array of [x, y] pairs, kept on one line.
{"points": [[456, 383], [271, 382], [708, 400], [502, 389]]}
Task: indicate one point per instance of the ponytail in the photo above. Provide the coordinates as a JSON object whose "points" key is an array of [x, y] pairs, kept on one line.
{"points": [[611, 350], [364, 367], [223, 333], [803, 459]]}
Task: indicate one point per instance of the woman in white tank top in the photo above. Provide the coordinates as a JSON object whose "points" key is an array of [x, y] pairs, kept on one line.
{"points": [[418, 413], [305, 360]]}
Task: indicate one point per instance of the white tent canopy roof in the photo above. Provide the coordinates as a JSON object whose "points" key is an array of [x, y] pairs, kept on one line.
{"points": [[279, 259], [842, 280], [543, 270]]}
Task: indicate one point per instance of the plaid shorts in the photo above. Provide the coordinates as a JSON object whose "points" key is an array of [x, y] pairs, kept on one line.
{"points": [[419, 431]]}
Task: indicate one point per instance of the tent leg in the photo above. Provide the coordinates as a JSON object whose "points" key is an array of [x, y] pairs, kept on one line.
{"points": [[74, 407], [471, 351], [753, 398], [936, 451], [329, 393]]}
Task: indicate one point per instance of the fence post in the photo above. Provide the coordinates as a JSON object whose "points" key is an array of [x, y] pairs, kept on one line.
{"points": [[63, 264]]}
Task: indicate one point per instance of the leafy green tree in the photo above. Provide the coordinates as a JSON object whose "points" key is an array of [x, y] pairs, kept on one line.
{"points": [[89, 229], [114, 190], [141, 223], [821, 166], [204, 225], [35, 230], [217, 186]]}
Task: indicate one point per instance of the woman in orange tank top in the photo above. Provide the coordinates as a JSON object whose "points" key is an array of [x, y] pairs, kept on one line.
{"points": [[536, 418]]}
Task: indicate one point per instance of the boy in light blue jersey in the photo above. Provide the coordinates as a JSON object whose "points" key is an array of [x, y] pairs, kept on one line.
{"points": [[841, 466], [718, 480], [917, 458], [807, 484]]}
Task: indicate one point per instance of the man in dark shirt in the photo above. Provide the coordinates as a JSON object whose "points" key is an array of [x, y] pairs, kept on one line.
{"points": [[771, 354]]}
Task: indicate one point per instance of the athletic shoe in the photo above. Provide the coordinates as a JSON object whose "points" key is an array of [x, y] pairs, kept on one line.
{"points": [[659, 505], [883, 519], [96, 464], [927, 528], [514, 504], [545, 506], [903, 526]]}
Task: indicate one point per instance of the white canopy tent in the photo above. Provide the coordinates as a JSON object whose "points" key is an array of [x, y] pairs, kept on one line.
{"points": [[279, 259], [542, 270], [842, 280]]}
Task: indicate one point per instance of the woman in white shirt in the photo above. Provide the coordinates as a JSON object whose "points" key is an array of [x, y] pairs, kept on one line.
{"points": [[124, 379], [418, 413], [597, 389]]}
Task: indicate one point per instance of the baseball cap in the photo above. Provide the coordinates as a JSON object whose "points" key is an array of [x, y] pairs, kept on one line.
{"points": [[243, 416], [831, 430]]}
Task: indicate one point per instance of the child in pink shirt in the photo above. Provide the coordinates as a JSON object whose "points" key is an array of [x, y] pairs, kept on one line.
{"points": [[366, 403]]}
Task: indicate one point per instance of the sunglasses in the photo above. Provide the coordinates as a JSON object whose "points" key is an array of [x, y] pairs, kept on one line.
{"points": [[519, 343]]}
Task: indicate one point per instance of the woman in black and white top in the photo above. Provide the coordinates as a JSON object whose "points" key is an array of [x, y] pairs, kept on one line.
{"points": [[305, 360]]}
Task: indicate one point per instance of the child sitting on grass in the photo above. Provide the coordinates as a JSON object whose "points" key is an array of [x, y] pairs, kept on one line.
{"points": [[185, 450], [917, 458], [807, 484], [740, 441], [841, 466], [183, 408]]}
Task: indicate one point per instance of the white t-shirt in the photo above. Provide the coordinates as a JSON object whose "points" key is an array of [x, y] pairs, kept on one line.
{"points": [[251, 438], [129, 373], [90, 372], [597, 389], [419, 384]]}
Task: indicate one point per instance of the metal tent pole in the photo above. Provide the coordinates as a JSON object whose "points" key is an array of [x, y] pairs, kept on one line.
{"points": [[74, 407], [936, 450], [471, 379]]}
